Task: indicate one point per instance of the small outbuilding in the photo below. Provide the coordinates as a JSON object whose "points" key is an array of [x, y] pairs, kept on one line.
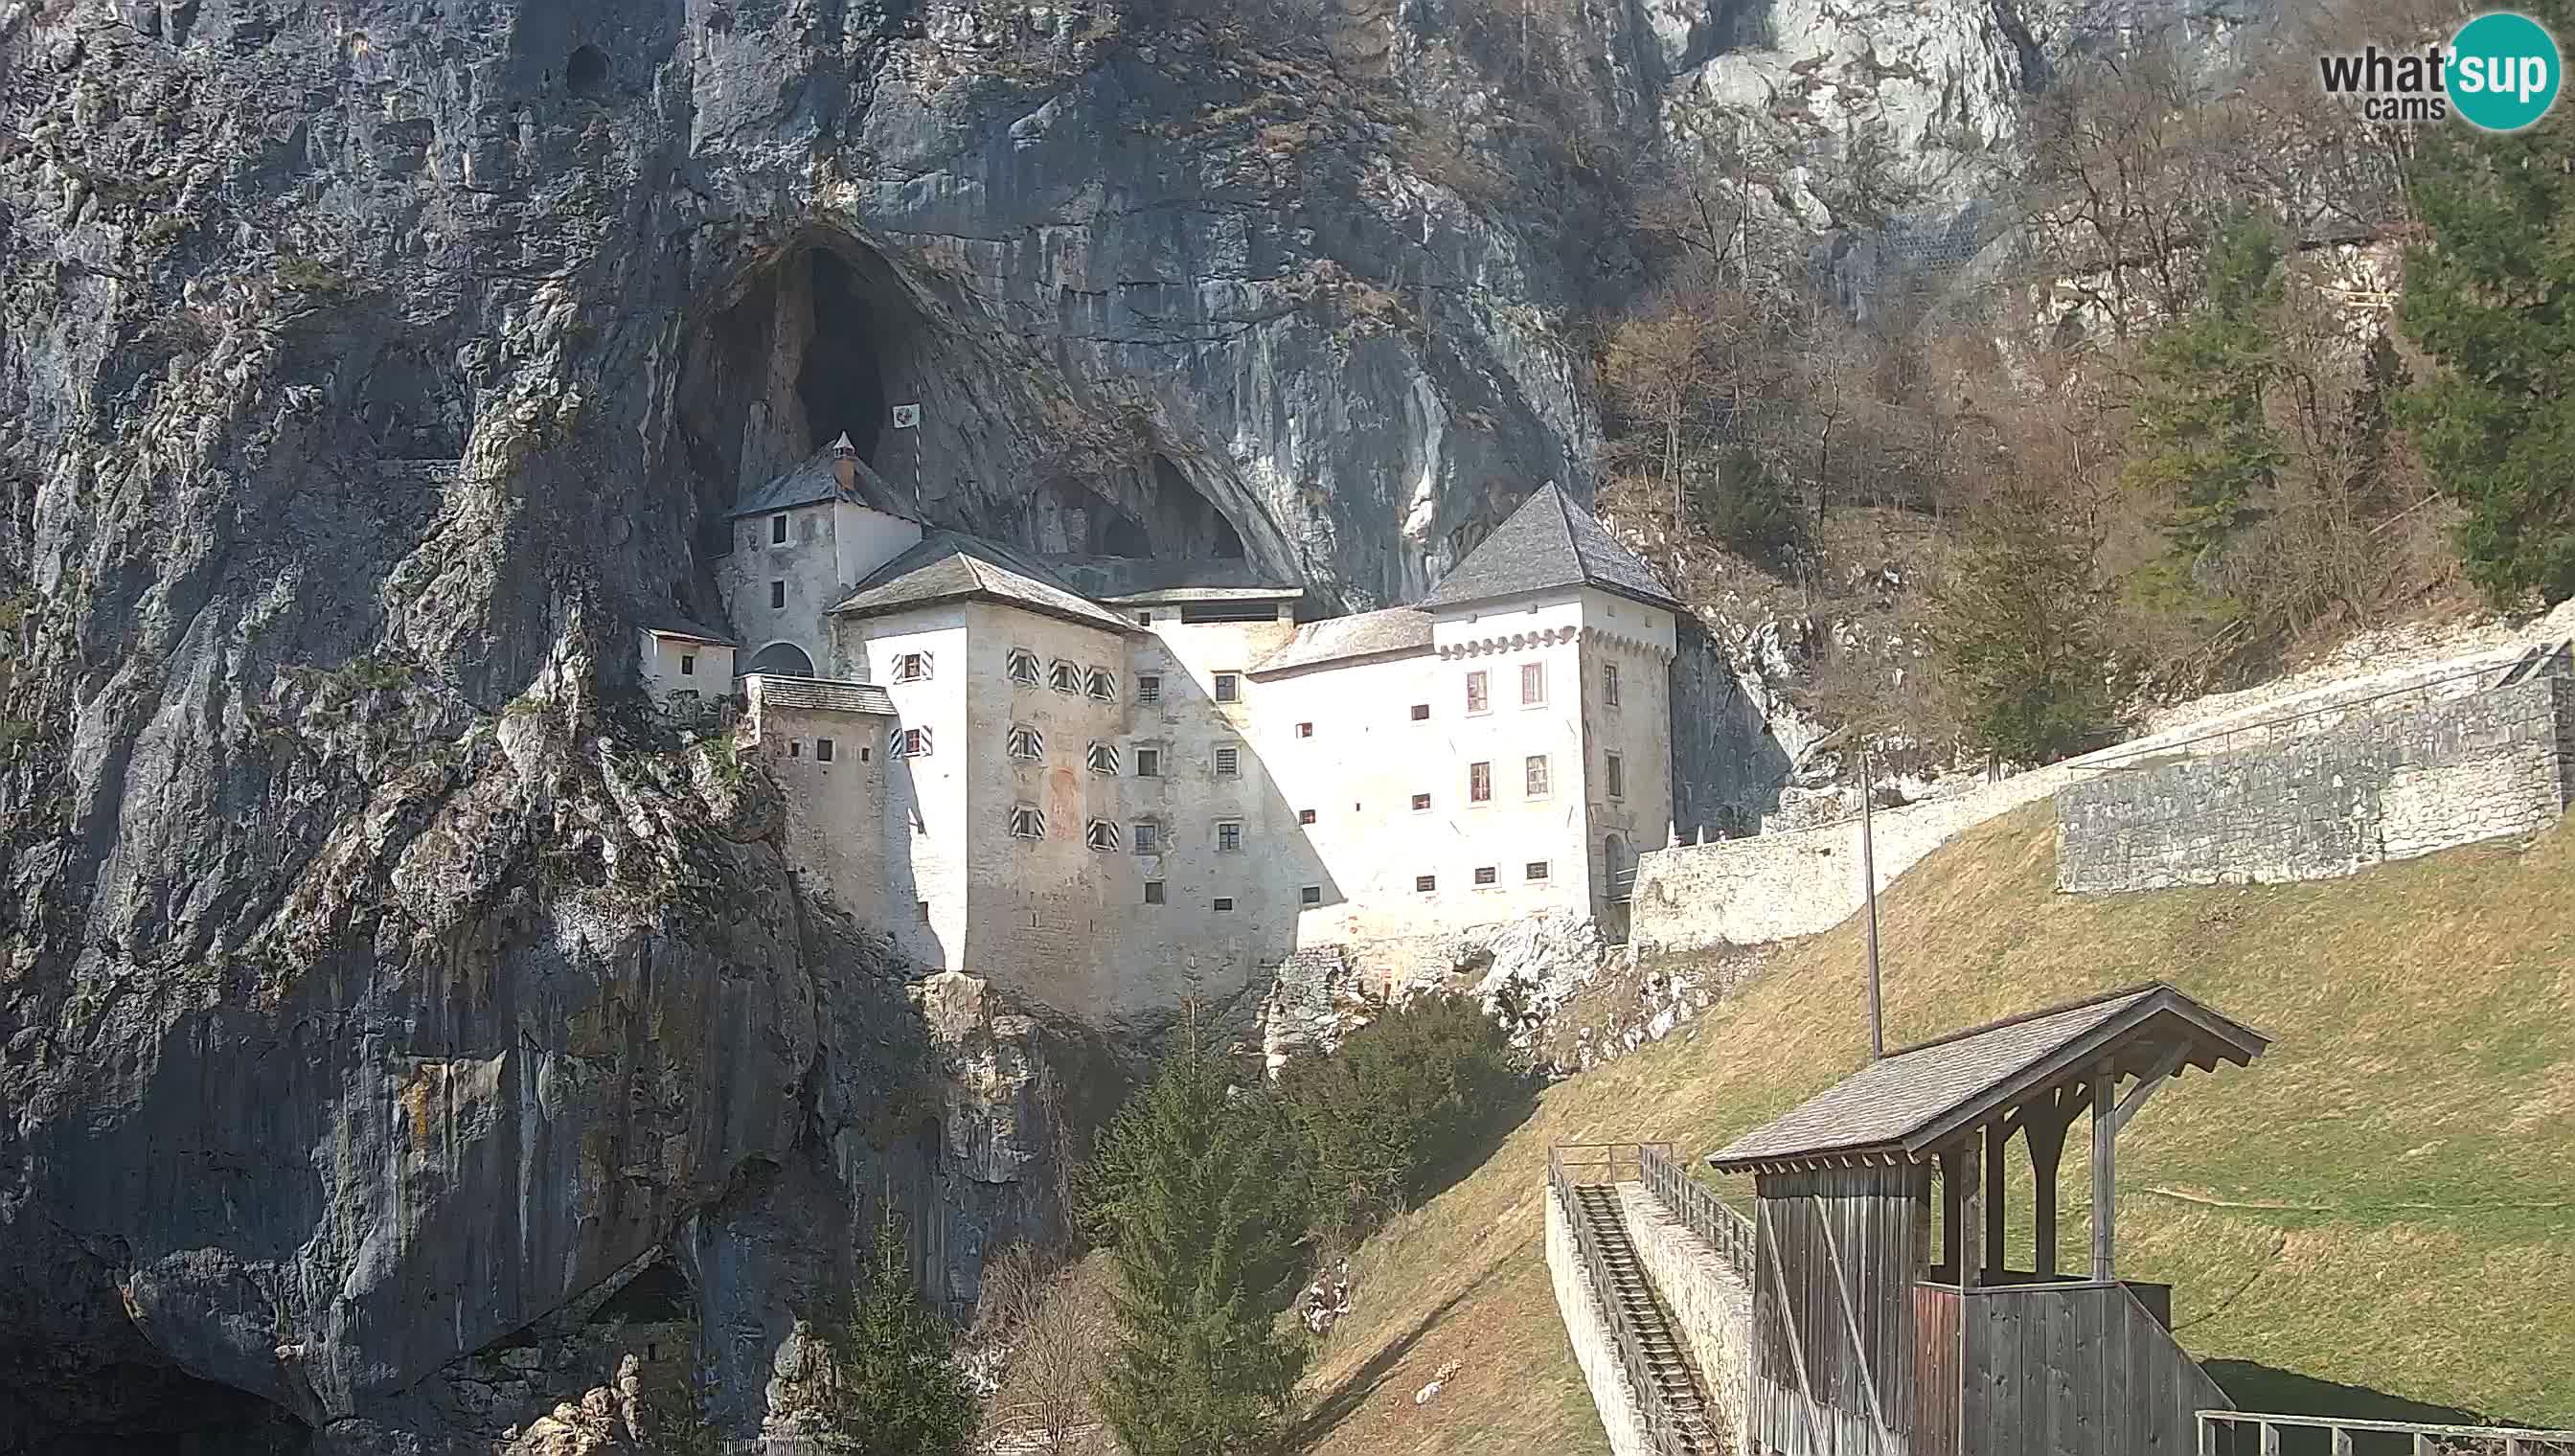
{"points": [[1868, 1340]]}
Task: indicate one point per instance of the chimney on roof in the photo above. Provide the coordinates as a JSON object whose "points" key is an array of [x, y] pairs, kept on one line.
{"points": [[845, 464]]}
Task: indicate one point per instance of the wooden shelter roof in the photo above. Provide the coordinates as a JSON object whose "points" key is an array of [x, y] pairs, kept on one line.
{"points": [[1909, 1103]]}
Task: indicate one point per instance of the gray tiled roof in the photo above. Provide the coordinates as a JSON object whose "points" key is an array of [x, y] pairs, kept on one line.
{"points": [[817, 478], [947, 566], [1890, 1102], [1548, 542], [682, 626], [1339, 638], [1103, 578], [824, 694]]}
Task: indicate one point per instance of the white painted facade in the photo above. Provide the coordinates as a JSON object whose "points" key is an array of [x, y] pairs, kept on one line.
{"points": [[675, 662]]}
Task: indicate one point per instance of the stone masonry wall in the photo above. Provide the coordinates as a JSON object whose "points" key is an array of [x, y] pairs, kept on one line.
{"points": [[1710, 1303], [1589, 1331], [2390, 783]]}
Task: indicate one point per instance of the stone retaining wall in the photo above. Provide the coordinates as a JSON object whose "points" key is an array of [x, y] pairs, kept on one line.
{"points": [[1710, 1303], [1588, 1330], [2388, 782]]}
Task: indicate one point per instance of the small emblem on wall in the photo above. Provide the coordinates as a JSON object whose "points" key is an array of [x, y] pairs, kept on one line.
{"points": [[906, 417]]}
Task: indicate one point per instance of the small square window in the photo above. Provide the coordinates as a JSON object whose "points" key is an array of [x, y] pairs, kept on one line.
{"points": [[1533, 683], [1229, 763], [1421, 801], [688, 664], [1615, 773], [909, 742], [777, 595], [921, 908], [1304, 730], [1223, 905], [863, 753], [795, 749], [1536, 780], [1025, 742], [778, 529], [912, 668], [1480, 696], [1229, 688], [1024, 668], [1480, 783], [1537, 869], [1484, 874], [1426, 883], [1102, 684], [1148, 688], [1143, 618], [1311, 894], [1304, 815], [1422, 713], [822, 751], [1146, 837], [1027, 822], [1153, 891], [1064, 678], [1149, 763], [1228, 836], [1610, 683], [1102, 757], [1100, 834]]}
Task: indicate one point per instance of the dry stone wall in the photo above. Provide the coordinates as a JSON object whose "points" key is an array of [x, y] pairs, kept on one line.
{"points": [[2376, 784]]}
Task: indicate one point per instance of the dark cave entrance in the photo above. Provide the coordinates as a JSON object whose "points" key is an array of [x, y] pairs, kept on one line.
{"points": [[658, 1295], [586, 72], [841, 384], [1189, 520]]}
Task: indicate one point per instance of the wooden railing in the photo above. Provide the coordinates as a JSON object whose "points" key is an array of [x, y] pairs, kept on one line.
{"points": [[2222, 1433], [1665, 1427], [1596, 1162], [1697, 1206]]}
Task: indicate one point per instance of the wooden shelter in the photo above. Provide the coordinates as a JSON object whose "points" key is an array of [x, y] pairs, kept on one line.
{"points": [[1866, 1343]]}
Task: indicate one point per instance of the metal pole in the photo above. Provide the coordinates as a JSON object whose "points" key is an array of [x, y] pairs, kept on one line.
{"points": [[1868, 886]]}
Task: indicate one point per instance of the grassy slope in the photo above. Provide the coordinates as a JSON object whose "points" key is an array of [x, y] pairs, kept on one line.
{"points": [[2377, 1217]]}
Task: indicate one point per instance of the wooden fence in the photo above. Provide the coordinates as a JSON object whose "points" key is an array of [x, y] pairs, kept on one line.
{"points": [[1697, 1207], [1666, 1429], [2256, 1433]]}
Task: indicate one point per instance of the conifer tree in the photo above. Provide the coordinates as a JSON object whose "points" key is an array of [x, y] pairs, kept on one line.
{"points": [[2491, 297], [892, 1390], [1198, 1187], [2020, 627], [2204, 445]]}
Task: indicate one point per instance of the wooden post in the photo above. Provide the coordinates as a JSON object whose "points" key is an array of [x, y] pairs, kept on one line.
{"points": [[1971, 1260], [1952, 1210], [1997, 1137], [2046, 1133], [2105, 1143]]}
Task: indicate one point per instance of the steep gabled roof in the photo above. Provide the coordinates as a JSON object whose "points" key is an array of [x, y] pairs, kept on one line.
{"points": [[1908, 1100], [817, 478], [1549, 543], [1394, 632], [949, 566]]}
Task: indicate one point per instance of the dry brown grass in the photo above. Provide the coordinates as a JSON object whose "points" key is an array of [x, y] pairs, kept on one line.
{"points": [[2386, 1203]]}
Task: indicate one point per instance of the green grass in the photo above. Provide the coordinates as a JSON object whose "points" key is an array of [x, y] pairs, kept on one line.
{"points": [[2378, 1217]]}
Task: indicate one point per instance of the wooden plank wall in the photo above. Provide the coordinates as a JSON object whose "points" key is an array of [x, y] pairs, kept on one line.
{"points": [[1935, 1374], [1838, 1255], [2081, 1370]]}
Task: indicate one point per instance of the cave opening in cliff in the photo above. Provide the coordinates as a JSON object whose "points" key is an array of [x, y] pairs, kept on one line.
{"points": [[1186, 520], [842, 383], [586, 70], [658, 1294]]}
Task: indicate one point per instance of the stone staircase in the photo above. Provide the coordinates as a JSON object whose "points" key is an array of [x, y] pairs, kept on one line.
{"points": [[1679, 1395]]}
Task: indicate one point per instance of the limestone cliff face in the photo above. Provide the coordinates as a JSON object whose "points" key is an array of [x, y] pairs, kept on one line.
{"points": [[376, 987]]}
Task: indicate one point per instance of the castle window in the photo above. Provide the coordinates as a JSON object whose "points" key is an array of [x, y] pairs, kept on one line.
{"points": [[1149, 763], [1025, 743], [1536, 783], [908, 743], [822, 751], [912, 668], [1063, 677], [1304, 730], [1229, 763], [1228, 836], [1027, 822], [1100, 834], [1311, 894], [1614, 771], [1479, 691], [1532, 684], [1537, 869], [795, 749], [1223, 905], [863, 753], [777, 595], [1480, 783], [1483, 874], [1143, 618], [778, 529], [1610, 683], [1148, 688], [1421, 801], [1024, 668], [688, 664], [1146, 837], [921, 908], [1422, 713], [1104, 684], [1104, 757], [1304, 815], [1229, 688], [1426, 883], [1153, 891]]}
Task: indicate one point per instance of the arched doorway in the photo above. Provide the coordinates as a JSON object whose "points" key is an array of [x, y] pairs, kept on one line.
{"points": [[782, 659], [1617, 864]]}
